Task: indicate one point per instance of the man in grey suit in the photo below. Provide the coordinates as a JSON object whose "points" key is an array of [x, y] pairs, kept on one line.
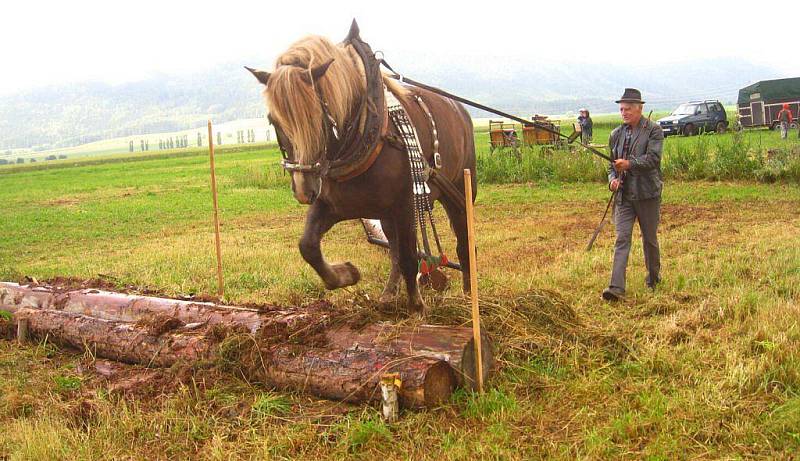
{"points": [[635, 177]]}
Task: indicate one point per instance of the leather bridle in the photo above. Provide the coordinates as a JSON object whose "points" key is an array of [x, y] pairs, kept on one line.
{"points": [[337, 142]]}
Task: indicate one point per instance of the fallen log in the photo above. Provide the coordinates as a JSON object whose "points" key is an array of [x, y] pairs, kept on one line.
{"points": [[129, 308], [354, 375], [454, 345], [351, 375], [121, 341], [309, 326]]}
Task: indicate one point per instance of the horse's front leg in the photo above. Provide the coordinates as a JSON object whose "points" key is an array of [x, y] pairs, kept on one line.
{"points": [[319, 220]]}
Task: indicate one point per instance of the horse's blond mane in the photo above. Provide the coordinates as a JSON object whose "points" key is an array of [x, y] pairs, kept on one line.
{"points": [[294, 104]]}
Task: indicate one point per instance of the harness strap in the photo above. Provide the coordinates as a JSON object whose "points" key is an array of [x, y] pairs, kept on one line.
{"points": [[450, 190], [370, 159]]}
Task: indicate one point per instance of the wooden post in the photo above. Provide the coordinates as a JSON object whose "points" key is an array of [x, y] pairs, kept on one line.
{"points": [[473, 279], [22, 330], [220, 286]]}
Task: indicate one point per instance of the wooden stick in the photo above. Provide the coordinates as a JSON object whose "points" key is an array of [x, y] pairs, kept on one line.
{"points": [[220, 286], [473, 278], [22, 330]]}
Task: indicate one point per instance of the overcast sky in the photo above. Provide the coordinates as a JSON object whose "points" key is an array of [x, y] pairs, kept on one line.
{"points": [[60, 42]]}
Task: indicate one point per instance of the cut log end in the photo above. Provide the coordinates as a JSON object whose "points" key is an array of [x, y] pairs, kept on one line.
{"points": [[440, 382], [469, 363]]}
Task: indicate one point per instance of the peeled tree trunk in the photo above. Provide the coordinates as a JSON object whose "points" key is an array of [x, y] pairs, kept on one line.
{"points": [[121, 341], [339, 374], [301, 349]]}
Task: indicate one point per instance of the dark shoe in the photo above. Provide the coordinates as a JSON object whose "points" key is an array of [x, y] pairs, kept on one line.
{"points": [[651, 284], [613, 294]]}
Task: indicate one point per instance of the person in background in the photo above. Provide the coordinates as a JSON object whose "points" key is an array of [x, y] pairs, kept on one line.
{"points": [[585, 122], [785, 119]]}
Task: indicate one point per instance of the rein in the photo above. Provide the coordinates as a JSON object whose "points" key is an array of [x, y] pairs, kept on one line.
{"points": [[480, 106]]}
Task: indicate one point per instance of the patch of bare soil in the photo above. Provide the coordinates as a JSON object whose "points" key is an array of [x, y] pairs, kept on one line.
{"points": [[63, 202]]}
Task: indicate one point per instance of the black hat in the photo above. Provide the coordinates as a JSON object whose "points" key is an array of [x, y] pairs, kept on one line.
{"points": [[631, 95]]}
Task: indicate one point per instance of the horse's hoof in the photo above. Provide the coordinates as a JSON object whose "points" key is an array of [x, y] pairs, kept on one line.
{"points": [[346, 274], [417, 309], [387, 298]]}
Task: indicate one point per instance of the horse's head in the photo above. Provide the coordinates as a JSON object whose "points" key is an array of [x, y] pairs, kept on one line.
{"points": [[312, 91]]}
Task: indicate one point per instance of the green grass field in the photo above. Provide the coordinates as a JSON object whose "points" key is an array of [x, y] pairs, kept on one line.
{"points": [[706, 367]]}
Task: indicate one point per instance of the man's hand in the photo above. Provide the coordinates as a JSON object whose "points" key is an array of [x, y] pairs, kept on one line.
{"points": [[622, 165], [614, 185]]}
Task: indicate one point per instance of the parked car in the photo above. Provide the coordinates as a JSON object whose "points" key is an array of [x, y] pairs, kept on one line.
{"points": [[760, 102], [695, 117]]}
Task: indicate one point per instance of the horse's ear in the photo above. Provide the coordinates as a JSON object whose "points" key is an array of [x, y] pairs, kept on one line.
{"points": [[354, 32], [261, 75], [317, 72]]}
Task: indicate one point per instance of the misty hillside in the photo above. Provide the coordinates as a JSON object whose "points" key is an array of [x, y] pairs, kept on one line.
{"points": [[62, 116]]}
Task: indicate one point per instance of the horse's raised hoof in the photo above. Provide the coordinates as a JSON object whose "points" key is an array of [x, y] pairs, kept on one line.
{"points": [[345, 275]]}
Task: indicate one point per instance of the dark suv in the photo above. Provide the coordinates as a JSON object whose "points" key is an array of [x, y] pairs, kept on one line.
{"points": [[695, 117]]}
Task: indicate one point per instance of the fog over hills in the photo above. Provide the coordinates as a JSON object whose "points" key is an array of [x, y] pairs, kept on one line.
{"points": [[67, 115]]}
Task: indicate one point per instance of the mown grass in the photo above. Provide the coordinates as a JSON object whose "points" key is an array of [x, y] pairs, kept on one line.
{"points": [[708, 366]]}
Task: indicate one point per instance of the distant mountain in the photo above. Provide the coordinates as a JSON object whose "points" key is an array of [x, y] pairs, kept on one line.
{"points": [[62, 116]]}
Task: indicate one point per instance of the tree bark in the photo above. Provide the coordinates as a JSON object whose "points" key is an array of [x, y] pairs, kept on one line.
{"points": [[454, 345], [121, 341], [125, 307], [342, 374], [313, 351]]}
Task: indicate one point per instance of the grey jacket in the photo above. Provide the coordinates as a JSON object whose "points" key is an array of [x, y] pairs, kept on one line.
{"points": [[644, 180]]}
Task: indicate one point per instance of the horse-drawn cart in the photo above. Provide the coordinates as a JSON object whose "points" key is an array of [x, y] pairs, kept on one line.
{"points": [[544, 133], [502, 134]]}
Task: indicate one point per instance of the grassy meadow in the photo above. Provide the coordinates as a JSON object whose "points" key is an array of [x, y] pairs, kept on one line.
{"points": [[706, 367]]}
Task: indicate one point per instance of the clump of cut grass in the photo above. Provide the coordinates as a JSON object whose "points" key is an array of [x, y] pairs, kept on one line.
{"points": [[483, 406], [67, 383], [269, 404], [357, 434], [6, 325], [239, 353]]}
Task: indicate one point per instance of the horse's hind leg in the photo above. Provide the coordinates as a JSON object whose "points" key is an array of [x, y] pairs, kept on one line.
{"points": [[393, 282], [408, 261], [458, 222], [319, 220]]}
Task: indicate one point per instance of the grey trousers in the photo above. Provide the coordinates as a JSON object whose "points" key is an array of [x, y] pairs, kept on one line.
{"points": [[648, 214]]}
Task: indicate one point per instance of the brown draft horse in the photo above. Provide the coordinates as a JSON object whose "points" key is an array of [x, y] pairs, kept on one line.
{"points": [[317, 85]]}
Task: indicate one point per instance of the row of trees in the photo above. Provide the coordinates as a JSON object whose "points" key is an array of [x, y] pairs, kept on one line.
{"points": [[242, 137], [251, 136], [21, 160]]}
